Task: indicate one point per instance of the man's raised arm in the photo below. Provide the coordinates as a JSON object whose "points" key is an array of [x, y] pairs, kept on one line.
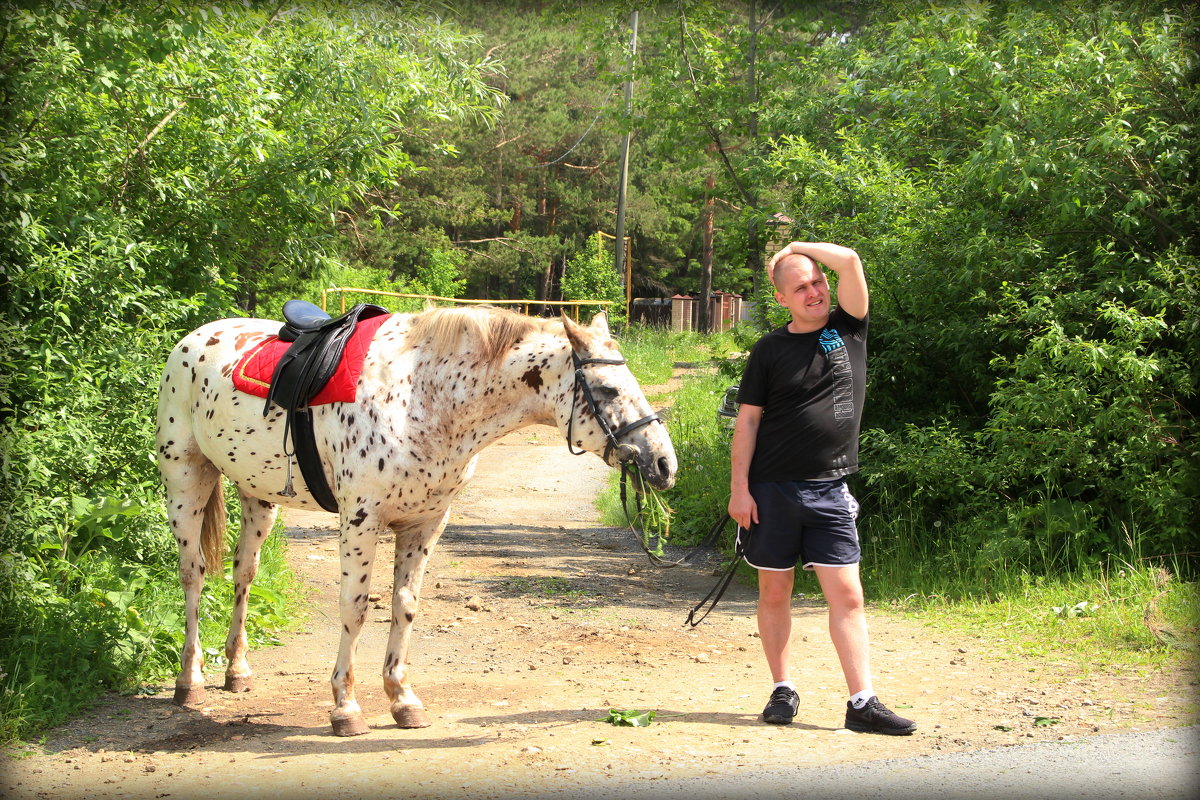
{"points": [[852, 293]]}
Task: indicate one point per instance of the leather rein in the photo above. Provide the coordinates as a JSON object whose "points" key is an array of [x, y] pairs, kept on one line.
{"points": [[629, 467], [628, 463]]}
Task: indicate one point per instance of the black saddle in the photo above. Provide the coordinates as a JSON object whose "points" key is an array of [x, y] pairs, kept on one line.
{"points": [[317, 344], [301, 316]]}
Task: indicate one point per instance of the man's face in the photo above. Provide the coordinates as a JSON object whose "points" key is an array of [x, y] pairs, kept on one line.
{"points": [[801, 287]]}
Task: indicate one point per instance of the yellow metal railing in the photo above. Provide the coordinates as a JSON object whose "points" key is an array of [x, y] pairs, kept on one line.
{"points": [[525, 304]]}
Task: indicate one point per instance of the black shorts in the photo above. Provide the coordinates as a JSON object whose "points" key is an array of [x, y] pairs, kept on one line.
{"points": [[805, 522]]}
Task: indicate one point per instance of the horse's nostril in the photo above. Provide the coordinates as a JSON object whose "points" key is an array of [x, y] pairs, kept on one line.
{"points": [[664, 466]]}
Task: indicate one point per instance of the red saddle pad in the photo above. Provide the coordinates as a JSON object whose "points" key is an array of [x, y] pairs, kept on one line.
{"points": [[253, 371]]}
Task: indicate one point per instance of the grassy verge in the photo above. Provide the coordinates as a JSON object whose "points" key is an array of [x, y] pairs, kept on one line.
{"points": [[653, 353], [92, 623], [1124, 618]]}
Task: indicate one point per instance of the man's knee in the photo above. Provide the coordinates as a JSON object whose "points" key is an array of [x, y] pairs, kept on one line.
{"points": [[842, 588], [775, 588], [846, 602], [845, 598]]}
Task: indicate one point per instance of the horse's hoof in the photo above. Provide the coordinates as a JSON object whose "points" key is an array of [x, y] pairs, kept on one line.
{"points": [[411, 717], [188, 696], [239, 683], [354, 725]]}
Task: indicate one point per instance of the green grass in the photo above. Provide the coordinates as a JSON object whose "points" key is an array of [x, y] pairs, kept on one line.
{"points": [[1122, 618], [652, 352]]}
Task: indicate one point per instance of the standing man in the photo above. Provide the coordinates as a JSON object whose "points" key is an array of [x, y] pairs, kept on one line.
{"points": [[795, 441]]}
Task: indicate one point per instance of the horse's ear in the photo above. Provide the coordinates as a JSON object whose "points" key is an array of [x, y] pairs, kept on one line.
{"points": [[576, 335], [600, 325]]}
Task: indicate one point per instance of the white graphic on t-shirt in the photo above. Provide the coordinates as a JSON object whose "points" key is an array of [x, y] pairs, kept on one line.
{"points": [[843, 380]]}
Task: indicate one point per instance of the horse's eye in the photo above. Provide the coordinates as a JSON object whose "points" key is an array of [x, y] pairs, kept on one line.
{"points": [[607, 392]]}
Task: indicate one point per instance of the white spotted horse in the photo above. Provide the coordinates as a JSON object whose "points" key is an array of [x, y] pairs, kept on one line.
{"points": [[433, 390]]}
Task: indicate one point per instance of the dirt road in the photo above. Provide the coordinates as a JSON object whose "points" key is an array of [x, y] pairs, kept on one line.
{"points": [[535, 622]]}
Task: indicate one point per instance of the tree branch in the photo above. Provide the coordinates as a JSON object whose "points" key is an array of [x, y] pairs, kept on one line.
{"points": [[507, 141], [157, 129], [507, 241], [708, 126]]}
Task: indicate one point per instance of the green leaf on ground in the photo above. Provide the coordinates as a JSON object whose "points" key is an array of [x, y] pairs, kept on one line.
{"points": [[631, 718]]}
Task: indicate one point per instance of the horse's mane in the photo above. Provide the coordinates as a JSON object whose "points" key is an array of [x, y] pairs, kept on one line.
{"points": [[486, 331]]}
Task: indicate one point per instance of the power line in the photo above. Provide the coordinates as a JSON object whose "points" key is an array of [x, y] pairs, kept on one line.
{"points": [[585, 133]]}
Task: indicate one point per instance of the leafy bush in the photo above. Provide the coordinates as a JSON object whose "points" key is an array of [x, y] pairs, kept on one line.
{"points": [[590, 276], [163, 166], [1028, 232]]}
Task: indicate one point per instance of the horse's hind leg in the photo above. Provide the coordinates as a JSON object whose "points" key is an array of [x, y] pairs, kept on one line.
{"points": [[360, 533], [196, 511], [257, 518]]}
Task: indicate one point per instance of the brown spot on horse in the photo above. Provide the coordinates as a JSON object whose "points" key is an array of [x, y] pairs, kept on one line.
{"points": [[532, 378]]}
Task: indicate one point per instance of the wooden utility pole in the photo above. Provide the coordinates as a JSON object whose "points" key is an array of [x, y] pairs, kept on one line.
{"points": [[754, 227], [703, 321], [623, 181]]}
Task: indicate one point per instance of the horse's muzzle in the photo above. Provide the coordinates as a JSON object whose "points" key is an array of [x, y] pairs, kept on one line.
{"points": [[662, 474], [657, 472]]}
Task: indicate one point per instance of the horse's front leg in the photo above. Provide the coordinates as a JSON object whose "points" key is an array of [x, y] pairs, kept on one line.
{"points": [[257, 518], [414, 541], [360, 533]]}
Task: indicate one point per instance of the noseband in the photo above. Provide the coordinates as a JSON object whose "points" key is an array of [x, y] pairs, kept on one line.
{"points": [[612, 437]]}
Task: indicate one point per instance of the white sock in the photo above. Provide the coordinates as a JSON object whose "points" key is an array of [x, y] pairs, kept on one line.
{"points": [[859, 699], [788, 684]]}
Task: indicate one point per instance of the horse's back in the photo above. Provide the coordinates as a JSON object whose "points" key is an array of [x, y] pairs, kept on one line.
{"points": [[200, 367]]}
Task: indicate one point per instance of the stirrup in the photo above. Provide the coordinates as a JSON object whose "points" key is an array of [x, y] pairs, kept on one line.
{"points": [[288, 491]]}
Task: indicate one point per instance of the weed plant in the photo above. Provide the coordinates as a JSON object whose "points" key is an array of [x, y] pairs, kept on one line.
{"points": [[654, 352]]}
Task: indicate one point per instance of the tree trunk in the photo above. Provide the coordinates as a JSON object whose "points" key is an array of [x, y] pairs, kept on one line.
{"points": [[543, 289], [247, 293], [550, 212], [514, 223]]}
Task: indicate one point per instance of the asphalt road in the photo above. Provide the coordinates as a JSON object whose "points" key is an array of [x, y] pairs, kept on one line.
{"points": [[1150, 765]]}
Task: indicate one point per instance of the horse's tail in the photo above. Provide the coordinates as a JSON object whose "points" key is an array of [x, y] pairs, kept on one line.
{"points": [[212, 530]]}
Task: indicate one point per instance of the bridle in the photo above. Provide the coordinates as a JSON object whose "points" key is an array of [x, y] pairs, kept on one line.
{"points": [[612, 438]]}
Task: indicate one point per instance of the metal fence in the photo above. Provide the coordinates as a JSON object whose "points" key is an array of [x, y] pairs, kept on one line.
{"points": [[525, 305]]}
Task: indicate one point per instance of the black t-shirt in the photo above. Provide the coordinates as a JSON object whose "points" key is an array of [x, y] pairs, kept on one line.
{"points": [[811, 387]]}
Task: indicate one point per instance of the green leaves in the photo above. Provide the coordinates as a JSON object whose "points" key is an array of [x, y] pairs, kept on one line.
{"points": [[629, 718], [239, 140], [1080, 609], [1014, 181], [161, 166], [591, 275]]}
